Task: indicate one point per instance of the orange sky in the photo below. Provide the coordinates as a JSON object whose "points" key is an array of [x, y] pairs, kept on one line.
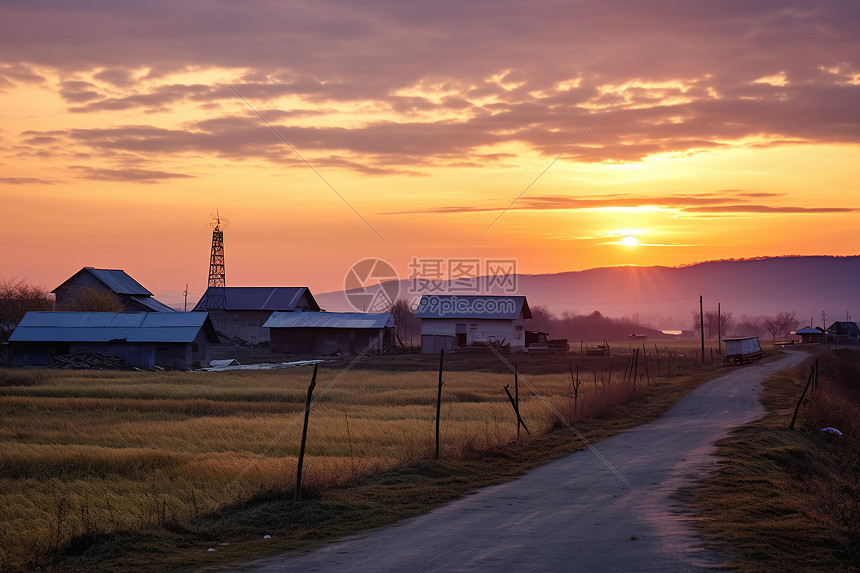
{"points": [[119, 135]]}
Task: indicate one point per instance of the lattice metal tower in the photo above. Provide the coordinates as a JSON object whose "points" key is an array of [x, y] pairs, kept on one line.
{"points": [[216, 260], [216, 295]]}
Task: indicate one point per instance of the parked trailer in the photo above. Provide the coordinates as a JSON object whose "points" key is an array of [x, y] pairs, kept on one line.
{"points": [[742, 350]]}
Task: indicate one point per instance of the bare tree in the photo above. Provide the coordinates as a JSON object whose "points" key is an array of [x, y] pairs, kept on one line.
{"points": [[403, 316], [716, 322], [542, 319], [781, 324], [697, 321], [17, 298], [749, 326]]}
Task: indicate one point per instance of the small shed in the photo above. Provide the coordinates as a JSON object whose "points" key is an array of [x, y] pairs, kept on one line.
{"points": [[328, 333], [809, 334], [741, 350], [173, 340]]}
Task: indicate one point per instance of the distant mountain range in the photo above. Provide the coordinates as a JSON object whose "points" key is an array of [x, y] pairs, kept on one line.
{"points": [[665, 297]]}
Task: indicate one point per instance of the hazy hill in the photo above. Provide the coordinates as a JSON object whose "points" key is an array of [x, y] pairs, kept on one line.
{"points": [[664, 297]]}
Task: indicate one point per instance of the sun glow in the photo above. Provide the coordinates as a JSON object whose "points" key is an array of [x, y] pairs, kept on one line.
{"points": [[629, 241]]}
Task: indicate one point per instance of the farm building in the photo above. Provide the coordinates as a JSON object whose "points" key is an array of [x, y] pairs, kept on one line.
{"points": [[746, 349], [241, 312], [844, 333], [328, 333], [449, 321], [123, 289], [809, 334], [175, 340]]}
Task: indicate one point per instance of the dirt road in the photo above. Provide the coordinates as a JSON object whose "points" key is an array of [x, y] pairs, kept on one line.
{"points": [[575, 513]]}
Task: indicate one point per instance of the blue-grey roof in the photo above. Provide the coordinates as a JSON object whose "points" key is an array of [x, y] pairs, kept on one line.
{"points": [[491, 307], [108, 326], [258, 298], [808, 330], [153, 304], [330, 320], [115, 279], [844, 327]]}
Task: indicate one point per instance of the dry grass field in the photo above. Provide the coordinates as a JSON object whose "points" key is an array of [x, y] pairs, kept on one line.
{"points": [[788, 499], [85, 453]]}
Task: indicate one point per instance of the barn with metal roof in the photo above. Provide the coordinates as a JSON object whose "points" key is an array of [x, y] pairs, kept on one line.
{"points": [[176, 340], [450, 321], [329, 333], [844, 332], [124, 290], [241, 312]]}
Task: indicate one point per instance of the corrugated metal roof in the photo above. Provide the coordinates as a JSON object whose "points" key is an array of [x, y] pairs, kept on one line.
{"points": [[843, 327], [329, 320], [808, 330], [473, 306], [152, 304], [107, 326], [115, 279], [259, 298]]}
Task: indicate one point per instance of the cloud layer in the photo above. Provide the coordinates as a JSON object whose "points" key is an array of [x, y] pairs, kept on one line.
{"points": [[400, 87]]}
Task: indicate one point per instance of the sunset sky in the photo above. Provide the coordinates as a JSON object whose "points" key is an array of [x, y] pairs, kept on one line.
{"points": [[467, 129]]}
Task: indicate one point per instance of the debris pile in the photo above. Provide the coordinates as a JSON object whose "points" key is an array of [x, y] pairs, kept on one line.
{"points": [[87, 360]]}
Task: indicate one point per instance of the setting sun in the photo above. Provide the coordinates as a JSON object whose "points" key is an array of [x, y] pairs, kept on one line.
{"points": [[629, 241]]}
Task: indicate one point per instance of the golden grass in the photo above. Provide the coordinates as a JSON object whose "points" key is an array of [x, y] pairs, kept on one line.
{"points": [[85, 453]]}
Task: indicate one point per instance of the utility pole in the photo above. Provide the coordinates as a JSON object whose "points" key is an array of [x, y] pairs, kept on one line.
{"points": [[702, 329], [186, 297], [719, 332]]}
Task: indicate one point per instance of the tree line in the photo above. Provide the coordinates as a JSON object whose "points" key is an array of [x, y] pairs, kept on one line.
{"points": [[721, 323]]}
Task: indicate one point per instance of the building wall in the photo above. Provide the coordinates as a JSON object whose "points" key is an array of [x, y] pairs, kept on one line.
{"points": [[439, 333], [325, 341], [36, 353], [69, 291], [244, 324], [200, 350], [433, 343], [143, 355], [305, 304]]}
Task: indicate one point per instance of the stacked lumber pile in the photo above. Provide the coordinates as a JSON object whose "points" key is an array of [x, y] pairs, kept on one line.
{"points": [[87, 360]]}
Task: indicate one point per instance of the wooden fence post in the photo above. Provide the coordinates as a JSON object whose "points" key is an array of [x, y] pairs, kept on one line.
{"points": [[298, 495], [517, 412], [439, 400], [813, 378], [575, 382], [647, 374]]}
